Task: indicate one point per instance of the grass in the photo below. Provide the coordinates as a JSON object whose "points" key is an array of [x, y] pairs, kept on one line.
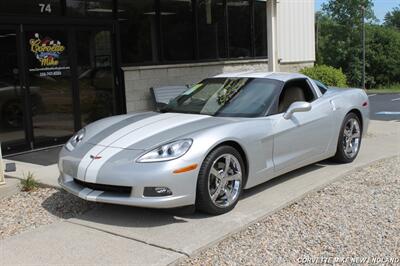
{"points": [[394, 88], [29, 183]]}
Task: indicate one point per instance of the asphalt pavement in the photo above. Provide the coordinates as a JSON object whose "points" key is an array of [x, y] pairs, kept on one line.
{"points": [[385, 107]]}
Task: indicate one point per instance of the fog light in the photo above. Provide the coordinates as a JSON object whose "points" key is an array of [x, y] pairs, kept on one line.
{"points": [[156, 192]]}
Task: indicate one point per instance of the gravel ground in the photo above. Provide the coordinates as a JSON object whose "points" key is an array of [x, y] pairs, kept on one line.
{"points": [[354, 218], [28, 210]]}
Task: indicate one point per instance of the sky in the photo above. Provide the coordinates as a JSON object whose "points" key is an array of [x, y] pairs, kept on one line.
{"points": [[381, 7]]}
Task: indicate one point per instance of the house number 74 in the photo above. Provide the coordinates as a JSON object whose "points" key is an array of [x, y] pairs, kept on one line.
{"points": [[44, 8]]}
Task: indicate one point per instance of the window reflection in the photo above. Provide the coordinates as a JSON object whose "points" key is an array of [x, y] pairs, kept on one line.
{"points": [[91, 8], [239, 28], [162, 31], [177, 29], [211, 29], [11, 104], [137, 21], [95, 74], [260, 27]]}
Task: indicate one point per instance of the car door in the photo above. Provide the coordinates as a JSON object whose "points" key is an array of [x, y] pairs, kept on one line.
{"points": [[305, 136]]}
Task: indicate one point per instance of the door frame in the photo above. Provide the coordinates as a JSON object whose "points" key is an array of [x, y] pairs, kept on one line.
{"points": [[21, 144]]}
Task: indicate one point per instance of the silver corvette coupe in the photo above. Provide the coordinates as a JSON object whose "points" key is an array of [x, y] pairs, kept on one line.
{"points": [[225, 134]]}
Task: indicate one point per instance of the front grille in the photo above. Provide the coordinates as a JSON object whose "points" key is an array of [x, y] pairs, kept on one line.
{"points": [[101, 187]]}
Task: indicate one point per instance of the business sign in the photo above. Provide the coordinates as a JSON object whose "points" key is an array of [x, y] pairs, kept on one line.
{"points": [[48, 55], [46, 50]]}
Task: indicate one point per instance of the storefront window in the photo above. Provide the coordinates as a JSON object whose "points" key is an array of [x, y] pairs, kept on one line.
{"points": [[165, 31], [31, 7], [239, 28], [138, 29], [260, 27], [211, 25], [91, 8], [177, 29]]}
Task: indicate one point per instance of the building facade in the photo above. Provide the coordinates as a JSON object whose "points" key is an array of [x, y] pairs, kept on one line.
{"points": [[66, 63]]}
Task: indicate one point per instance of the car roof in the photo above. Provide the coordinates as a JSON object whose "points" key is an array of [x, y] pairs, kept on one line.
{"points": [[281, 76]]}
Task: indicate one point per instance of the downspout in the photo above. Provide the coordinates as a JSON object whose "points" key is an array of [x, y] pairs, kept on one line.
{"points": [[272, 35]]}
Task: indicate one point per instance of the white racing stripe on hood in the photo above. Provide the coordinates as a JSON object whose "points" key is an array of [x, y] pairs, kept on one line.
{"points": [[167, 121], [133, 127], [108, 140]]}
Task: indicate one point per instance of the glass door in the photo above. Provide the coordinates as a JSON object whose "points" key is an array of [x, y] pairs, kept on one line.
{"points": [[53, 81], [48, 68], [13, 135], [95, 74]]}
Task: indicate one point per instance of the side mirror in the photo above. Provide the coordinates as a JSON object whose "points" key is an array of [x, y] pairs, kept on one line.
{"points": [[297, 107]]}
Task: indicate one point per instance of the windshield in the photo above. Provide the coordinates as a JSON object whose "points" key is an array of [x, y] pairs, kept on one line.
{"points": [[235, 97]]}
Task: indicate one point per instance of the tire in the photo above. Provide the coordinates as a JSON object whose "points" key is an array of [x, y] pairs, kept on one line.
{"points": [[348, 140], [214, 180]]}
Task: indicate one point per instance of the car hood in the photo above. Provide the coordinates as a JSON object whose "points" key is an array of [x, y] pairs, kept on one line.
{"points": [[146, 130]]}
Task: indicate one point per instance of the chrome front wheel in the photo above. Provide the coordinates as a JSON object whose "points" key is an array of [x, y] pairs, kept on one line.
{"points": [[224, 180], [220, 181]]}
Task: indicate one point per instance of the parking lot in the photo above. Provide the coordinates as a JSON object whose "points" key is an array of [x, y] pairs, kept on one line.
{"points": [[385, 107]]}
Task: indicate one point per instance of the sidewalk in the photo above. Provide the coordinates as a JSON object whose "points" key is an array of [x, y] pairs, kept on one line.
{"points": [[10, 188], [126, 235], [69, 244], [45, 175]]}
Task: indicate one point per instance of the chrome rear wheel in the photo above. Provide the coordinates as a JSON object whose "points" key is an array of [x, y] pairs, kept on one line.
{"points": [[351, 138]]}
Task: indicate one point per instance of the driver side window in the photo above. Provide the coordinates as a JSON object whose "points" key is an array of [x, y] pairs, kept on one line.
{"points": [[297, 90]]}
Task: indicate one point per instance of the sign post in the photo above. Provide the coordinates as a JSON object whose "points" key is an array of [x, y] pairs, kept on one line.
{"points": [[2, 180]]}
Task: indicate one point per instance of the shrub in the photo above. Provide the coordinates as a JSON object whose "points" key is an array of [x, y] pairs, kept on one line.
{"points": [[29, 183], [330, 76]]}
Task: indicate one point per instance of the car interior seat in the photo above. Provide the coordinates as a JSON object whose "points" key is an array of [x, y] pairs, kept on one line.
{"points": [[290, 95]]}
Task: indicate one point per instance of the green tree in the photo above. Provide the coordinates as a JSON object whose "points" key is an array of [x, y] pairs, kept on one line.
{"points": [[383, 55], [339, 37], [348, 12], [392, 18]]}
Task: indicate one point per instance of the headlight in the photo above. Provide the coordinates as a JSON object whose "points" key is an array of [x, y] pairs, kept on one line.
{"points": [[75, 139], [166, 152]]}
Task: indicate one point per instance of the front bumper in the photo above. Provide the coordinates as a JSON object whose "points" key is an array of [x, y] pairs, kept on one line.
{"points": [[121, 171], [136, 197]]}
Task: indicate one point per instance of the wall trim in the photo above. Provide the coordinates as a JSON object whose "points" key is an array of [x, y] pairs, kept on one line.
{"points": [[281, 62], [184, 65]]}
